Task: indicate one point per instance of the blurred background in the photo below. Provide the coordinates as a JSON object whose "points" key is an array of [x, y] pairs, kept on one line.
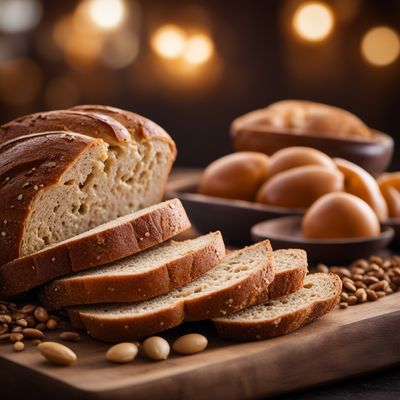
{"points": [[193, 66]]}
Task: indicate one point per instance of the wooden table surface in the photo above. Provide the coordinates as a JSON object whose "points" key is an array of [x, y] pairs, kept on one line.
{"points": [[340, 345]]}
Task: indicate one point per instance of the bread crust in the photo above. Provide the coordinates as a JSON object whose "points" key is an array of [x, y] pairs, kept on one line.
{"points": [[121, 288], [86, 123], [127, 238], [28, 166], [289, 281], [282, 325], [140, 128], [237, 296]]}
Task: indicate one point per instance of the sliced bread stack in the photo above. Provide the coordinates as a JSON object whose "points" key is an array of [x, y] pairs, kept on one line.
{"points": [[252, 294]]}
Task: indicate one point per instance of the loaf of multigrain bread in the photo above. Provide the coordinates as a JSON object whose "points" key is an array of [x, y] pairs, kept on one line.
{"points": [[65, 172]]}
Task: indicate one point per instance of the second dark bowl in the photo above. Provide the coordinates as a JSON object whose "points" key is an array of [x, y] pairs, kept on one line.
{"points": [[286, 233], [372, 155]]}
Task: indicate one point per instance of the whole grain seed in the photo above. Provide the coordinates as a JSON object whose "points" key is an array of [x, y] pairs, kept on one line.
{"points": [[5, 336], [19, 346], [57, 353], [344, 296], [349, 286], [369, 280], [122, 353], [16, 337], [69, 336], [371, 295], [22, 322], [41, 314], [156, 348], [52, 324], [190, 344], [359, 284], [352, 300], [32, 333], [361, 295], [343, 304]]}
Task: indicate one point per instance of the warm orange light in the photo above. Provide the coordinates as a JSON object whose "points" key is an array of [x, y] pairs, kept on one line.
{"points": [[169, 41], [106, 14], [380, 46], [80, 50], [198, 50], [313, 21]]}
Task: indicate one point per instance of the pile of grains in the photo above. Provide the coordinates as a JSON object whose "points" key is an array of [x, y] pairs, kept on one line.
{"points": [[367, 280], [19, 323]]}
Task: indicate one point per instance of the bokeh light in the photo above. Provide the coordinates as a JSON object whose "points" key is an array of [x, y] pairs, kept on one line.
{"points": [[313, 21], [120, 50], [81, 50], [19, 15], [380, 46], [107, 14], [169, 41], [198, 49], [20, 81]]}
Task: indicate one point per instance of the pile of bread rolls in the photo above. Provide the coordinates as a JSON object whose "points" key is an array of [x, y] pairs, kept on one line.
{"points": [[339, 198]]}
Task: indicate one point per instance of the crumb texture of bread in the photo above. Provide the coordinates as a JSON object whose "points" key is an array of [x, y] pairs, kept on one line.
{"points": [[123, 173], [239, 281], [319, 295], [150, 273]]}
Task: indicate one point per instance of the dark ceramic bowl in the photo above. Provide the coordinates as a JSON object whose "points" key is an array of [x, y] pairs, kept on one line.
{"points": [[234, 218], [393, 223], [286, 233], [372, 155]]}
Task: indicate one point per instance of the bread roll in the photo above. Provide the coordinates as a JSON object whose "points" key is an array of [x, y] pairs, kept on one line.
{"points": [[359, 182], [235, 176], [306, 117], [297, 156], [299, 187], [340, 216], [390, 187]]}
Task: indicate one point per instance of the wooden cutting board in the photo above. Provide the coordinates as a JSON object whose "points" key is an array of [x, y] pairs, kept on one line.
{"points": [[344, 343]]}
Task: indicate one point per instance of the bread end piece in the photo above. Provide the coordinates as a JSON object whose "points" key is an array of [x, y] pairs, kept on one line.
{"points": [[285, 314]]}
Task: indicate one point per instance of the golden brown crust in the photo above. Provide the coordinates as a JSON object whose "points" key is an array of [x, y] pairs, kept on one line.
{"points": [[140, 128], [260, 330], [27, 167], [299, 117], [121, 288], [233, 298], [86, 123], [101, 247]]}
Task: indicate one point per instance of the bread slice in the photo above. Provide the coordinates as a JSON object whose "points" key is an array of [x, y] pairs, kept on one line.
{"points": [[319, 295], [140, 277], [108, 242], [239, 281], [54, 187]]}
